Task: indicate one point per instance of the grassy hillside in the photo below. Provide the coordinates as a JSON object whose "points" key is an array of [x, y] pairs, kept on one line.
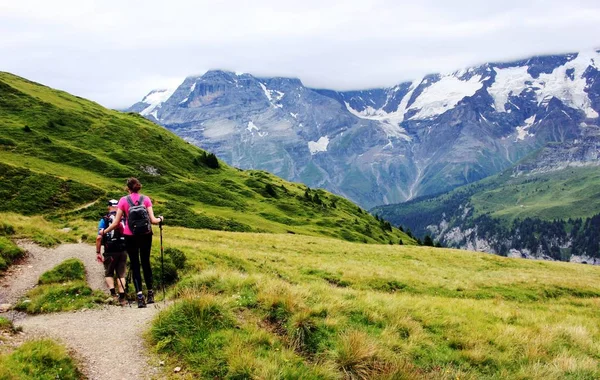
{"points": [[276, 306], [570, 193], [553, 214], [62, 156]]}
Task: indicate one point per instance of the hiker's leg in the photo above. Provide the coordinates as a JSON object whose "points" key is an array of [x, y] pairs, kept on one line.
{"points": [[109, 272], [134, 261], [120, 269], [110, 282], [145, 248]]}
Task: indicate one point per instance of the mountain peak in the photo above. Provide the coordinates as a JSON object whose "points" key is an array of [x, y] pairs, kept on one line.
{"points": [[399, 142]]}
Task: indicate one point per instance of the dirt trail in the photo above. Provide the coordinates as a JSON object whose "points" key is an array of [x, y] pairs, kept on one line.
{"points": [[107, 341], [25, 275]]}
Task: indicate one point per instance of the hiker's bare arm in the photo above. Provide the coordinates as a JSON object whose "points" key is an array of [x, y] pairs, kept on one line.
{"points": [[152, 218], [115, 222], [98, 245]]}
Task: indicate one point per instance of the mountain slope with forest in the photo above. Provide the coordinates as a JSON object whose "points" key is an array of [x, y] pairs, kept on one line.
{"points": [[62, 156], [547, 206]]}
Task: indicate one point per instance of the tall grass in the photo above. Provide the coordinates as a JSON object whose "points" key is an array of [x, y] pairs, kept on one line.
{"points": [[407, 312], [40, 359]]}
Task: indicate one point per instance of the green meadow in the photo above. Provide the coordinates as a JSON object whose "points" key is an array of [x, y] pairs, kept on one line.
{"points": [[278, 306]]}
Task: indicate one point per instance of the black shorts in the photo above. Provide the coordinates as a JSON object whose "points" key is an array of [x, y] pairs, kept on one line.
{"points": [[115, 261]]}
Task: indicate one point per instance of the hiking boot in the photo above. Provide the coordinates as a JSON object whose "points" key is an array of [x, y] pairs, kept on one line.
{"points": [[141, 301], [123, 301], [150, 297]]}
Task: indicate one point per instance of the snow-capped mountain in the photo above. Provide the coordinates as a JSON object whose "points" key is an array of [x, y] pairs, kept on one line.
{"points": [[386, 145]]}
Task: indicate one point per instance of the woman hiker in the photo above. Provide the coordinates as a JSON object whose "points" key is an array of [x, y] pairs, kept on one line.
{"points": [[138, 212]]}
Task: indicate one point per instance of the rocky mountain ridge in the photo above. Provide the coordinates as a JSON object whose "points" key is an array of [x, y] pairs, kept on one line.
{"points": [[387, 145]]}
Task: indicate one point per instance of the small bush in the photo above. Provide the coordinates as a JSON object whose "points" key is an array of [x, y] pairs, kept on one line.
{"points": [[207, 159]]}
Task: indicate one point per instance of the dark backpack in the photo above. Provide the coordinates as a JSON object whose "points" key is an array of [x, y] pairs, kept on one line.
{"points": [[138, 219], [114, 241]]}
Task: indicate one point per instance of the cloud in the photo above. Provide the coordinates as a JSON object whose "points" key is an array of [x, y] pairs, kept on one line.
{"points": [[115, 52]]}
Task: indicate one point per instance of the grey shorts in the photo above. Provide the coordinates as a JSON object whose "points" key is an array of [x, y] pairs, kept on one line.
{"points": [[115, 261]]}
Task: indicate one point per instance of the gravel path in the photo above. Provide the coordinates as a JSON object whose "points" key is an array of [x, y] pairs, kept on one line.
{"points": [[107, 341], [24, 276]]}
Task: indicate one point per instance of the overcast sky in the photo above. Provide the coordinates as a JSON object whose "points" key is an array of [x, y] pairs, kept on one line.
{"points": [[114, 52]]}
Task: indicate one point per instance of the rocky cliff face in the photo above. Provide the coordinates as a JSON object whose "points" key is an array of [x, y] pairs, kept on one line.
{"points": [[387, 145]]}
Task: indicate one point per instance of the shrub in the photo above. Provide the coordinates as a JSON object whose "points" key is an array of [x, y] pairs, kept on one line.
{"points": [[207, 159]]}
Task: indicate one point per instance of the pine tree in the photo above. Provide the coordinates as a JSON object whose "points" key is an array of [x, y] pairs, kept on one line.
{"points": [[212, 161], [307, 195]]}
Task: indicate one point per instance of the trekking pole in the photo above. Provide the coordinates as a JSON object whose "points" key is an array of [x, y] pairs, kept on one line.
{"points": [[162, 261]]}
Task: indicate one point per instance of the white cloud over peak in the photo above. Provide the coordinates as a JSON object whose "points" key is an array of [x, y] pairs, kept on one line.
{"points": [[114, 52]]}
